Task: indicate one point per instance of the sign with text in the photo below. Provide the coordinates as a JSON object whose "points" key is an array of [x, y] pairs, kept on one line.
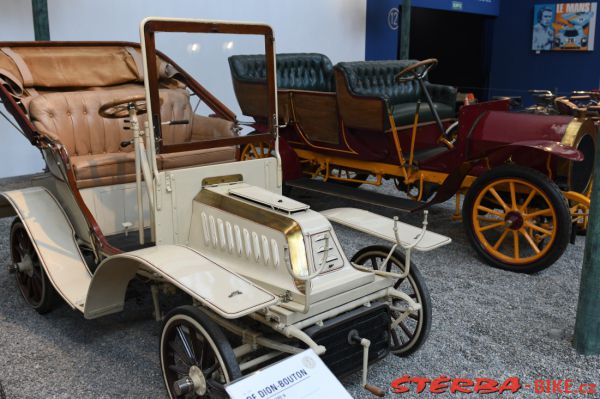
{"points": [[300, 376]]}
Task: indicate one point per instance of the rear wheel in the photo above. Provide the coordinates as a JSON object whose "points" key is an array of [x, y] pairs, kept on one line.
{"points": [[517, 219], [579, 205], [196, 357], [31, 278], [256, 151], [411, 333]]}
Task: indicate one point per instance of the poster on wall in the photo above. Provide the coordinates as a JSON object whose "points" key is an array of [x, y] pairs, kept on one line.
{"points": [[564, 26]]}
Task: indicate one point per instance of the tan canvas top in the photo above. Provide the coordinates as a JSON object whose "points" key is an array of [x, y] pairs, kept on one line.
{"points": [[47, 67]]}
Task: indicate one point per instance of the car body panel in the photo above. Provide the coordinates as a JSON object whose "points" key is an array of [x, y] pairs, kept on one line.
{"points": [[226, 293], [54, 240]]}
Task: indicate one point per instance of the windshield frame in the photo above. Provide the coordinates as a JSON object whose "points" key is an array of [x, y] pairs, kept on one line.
{"points": [[152, 25]]}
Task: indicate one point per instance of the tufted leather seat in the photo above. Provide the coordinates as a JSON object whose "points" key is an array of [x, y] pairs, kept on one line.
{"points": [[297, 71], [93, 142], [375, 79]]}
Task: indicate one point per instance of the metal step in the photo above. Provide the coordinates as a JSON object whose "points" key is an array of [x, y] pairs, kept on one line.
{"points": [[355, 194]]}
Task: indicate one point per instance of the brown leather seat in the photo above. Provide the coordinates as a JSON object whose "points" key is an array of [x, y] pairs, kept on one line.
{"points": [[93, 142]]}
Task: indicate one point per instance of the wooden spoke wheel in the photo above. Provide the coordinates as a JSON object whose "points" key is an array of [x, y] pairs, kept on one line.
{"points": [[195, 356], [256, 151], [579, 205], [412, 332], [517, 219], [30, 275]]}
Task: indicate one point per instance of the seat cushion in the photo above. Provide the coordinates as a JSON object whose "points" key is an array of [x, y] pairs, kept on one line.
{"points": [[93, 142], [404, 114], [72, 118], [102, 165], [377, 79], [176, 160], [297, 71]]}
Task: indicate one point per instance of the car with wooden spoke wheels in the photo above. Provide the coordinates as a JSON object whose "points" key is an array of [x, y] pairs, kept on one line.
{"points": [[361, 123], [517, 219], [152, 178]]}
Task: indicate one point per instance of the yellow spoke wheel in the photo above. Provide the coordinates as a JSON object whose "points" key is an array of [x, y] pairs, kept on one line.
{"points": [[579, 205], [256, 151], [517, 219]]}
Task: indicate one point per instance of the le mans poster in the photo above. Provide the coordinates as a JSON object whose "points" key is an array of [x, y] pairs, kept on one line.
{"points": [[564, 27]]}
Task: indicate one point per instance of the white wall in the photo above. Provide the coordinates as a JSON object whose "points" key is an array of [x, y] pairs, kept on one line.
{"points": [[17, 156], [332, 27]]}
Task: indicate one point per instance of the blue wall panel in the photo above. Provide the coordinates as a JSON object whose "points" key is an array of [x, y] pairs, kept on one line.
{"points": [[485, 7], [382, 30], [515, 68], [383, 19]]}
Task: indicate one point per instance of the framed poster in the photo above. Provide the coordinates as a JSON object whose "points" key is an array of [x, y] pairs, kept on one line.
{"points": [[564, 26]]}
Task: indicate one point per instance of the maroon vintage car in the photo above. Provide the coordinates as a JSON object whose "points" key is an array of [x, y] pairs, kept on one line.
{"points": [[524, 177]]}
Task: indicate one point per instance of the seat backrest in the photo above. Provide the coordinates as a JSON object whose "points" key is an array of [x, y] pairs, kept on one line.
{"points": [[376, 79], [295, 71], [72, 118]]}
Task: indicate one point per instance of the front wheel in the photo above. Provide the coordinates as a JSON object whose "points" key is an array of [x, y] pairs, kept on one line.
{"points": [[196, 357], [517, 219], [410, 334]]}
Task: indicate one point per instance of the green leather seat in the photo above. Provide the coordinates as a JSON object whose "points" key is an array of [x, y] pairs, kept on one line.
{"points": [[404, 113], [296, 71], [376, 79]]}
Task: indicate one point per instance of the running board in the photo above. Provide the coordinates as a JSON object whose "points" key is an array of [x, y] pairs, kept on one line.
{"points": [[355, 194]]}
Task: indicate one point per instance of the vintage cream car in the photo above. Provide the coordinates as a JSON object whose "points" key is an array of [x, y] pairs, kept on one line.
{"points": [[142, 186]]}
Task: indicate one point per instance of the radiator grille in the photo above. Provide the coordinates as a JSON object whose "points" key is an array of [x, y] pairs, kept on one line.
{"points": [[227, 236]]}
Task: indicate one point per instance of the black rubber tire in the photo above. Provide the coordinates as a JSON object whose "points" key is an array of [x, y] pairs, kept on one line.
{"points": [[556, 198], [48, 297], [194, 317], [420, 293]]}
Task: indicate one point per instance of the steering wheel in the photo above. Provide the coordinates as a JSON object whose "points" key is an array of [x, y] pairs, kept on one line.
{"points": [[119, 108], [413, 70]]}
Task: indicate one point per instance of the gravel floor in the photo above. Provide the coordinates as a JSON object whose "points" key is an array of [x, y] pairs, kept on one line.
{"points": [[486, 323]]}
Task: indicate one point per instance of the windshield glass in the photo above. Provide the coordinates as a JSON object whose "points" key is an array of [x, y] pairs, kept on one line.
{"points": [[200, 88]]}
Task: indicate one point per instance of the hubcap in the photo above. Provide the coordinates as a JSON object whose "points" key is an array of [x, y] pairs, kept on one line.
{"points": [[199, 381], [194, 381], [25, 266], [514, 220]]}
